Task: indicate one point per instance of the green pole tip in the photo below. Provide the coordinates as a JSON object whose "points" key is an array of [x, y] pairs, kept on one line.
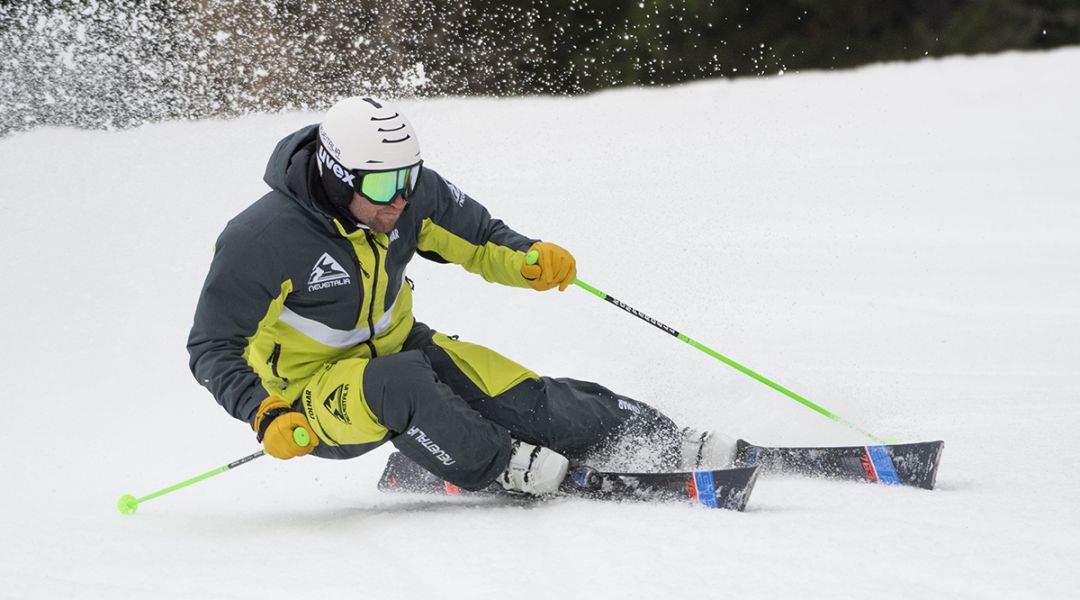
{"points": [[301, 437], [889, 441], [127, 504], [532, 257]]}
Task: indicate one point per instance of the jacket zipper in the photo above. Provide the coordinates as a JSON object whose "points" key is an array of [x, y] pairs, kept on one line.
{"points": [[356, 259], [374, 289]]}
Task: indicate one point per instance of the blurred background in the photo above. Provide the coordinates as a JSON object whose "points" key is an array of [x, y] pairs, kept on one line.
{"points": [[105, 64]]}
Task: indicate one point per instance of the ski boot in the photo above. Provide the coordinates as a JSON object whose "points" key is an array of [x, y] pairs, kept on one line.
{"points": [[706, 450], [534, 470]]}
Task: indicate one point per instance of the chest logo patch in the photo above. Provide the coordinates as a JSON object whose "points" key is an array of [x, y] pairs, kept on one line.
{"points": [[326, 273]]}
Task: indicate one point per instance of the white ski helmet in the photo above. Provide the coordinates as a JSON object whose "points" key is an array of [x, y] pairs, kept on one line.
{"points": [[369, 134], [363, 133]]}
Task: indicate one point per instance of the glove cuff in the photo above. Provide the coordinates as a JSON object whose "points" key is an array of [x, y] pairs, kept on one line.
{"points": [[268, 417]]}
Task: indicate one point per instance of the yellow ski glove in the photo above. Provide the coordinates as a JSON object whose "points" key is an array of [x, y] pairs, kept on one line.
{"points": [[275, 424], [555, 267]]}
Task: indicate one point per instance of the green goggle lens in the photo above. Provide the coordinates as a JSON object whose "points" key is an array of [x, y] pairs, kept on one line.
{"points": [[381, 187]]}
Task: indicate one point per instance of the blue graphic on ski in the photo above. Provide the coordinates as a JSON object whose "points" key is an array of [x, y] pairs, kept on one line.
{"points": [[914, 465]]}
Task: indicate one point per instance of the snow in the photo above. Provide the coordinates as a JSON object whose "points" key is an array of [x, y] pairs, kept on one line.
{"points": [[897, 243]]}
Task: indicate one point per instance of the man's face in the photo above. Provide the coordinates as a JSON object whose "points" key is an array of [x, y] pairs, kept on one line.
{"points": [[379, 217]]}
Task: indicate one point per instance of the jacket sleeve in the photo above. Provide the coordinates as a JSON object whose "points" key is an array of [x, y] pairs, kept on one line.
{"points": [[460, 230], [237, 293]]}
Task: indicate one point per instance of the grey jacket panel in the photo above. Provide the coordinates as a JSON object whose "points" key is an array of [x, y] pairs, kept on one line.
{"points": [[242, 279]]}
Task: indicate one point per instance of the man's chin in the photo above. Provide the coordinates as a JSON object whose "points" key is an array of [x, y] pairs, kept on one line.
{"points": [[385, 225]]}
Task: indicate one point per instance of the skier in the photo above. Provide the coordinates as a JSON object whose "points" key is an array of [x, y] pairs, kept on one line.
{"points": [[305, 322]]}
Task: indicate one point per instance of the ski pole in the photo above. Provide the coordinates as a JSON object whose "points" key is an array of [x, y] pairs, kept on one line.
{"points": [[534, 255], [127, 504]]}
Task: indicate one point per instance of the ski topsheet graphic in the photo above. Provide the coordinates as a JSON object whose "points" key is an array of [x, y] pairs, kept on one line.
{"points": [[725, 488], [897, 464]]}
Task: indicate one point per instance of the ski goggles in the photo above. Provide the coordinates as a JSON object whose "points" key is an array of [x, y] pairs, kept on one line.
{"points": [[381, 187]]}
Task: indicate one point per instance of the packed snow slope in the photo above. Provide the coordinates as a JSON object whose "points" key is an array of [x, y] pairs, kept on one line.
{"points": [[900, 244]]}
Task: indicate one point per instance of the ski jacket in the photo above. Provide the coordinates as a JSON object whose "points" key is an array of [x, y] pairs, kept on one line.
{"points": [[293, 289]]}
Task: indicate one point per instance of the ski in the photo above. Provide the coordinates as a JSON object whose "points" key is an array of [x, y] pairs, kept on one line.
{"points": [[728, 488], [913, 465]]}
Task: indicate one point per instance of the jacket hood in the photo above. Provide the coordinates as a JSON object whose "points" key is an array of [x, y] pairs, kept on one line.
{"points": [[292, 171], [277, 168]]}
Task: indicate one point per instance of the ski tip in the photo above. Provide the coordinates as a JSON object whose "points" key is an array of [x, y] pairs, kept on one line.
{"points": [[744, 495], [727, 489]]}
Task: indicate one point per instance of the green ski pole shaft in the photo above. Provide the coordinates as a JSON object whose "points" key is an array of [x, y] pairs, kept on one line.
{"points": [[129, 504], [531, 258]]}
